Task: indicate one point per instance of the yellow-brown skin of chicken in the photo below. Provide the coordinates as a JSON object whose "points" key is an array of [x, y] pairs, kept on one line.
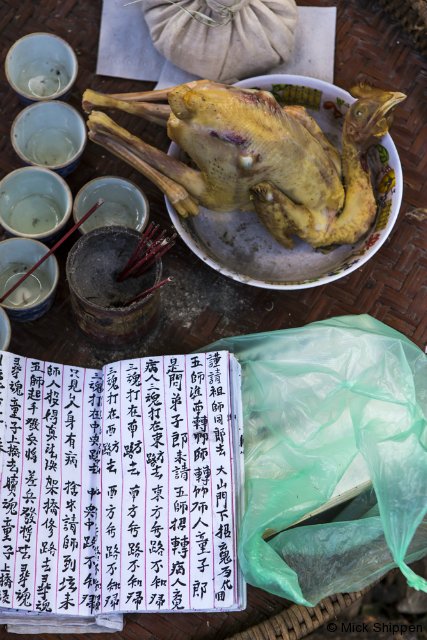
{"points": [[253, 154]]}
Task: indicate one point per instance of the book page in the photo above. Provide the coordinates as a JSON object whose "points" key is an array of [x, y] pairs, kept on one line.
{"points": [[118, 486], [49, 500], [168, 495]]}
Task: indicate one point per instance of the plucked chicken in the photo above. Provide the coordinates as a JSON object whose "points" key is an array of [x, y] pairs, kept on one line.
{"points": [[251, 153]]}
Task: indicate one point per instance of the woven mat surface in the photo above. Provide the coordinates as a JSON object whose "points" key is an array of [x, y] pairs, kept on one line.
{"points": [[203, 305], [412, 16], [370, 46]]}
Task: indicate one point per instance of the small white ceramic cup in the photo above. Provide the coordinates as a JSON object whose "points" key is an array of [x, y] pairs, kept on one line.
{"points": [[41, 66], [5, 330], [49, 134], [124, 204], [33, 297], [34, 203]]}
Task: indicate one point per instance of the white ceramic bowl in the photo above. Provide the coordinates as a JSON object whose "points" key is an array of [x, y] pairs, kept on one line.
{"points": [[41, 66], [49, 134], [124, 204], [238, 246], [34, 203], [5, 330], [33, 297]]}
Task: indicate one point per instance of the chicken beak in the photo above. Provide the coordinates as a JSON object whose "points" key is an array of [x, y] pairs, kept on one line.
{"points": [[391, 100], [384, 114]]}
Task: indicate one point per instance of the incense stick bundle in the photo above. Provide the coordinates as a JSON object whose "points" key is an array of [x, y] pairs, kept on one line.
{"points": [[152, 245]]}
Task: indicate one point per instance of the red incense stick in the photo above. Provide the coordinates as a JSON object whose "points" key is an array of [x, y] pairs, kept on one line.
{"points": [[54, 248], [150, 290]]}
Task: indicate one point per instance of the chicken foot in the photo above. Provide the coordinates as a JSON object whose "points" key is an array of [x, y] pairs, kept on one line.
{"points": [[284, 218], [181, 184]]}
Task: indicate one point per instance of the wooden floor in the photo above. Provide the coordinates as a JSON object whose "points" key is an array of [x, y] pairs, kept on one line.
{"points": [[203, 305]]}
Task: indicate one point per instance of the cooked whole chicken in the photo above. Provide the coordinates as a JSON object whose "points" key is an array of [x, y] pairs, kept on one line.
{"points": [[253, 154]]}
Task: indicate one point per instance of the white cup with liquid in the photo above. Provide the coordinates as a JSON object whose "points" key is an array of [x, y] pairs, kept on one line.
{"points": [[41, 66], [34, 203], [124, 204], [49, 134], [35, 295]]}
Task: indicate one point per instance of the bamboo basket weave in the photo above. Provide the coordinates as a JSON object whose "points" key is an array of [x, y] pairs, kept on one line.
{"points": [[412, 15], [298, 621]]}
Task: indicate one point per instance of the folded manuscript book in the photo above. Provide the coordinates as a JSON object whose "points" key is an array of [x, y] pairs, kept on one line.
{"points": [[121, 489]]}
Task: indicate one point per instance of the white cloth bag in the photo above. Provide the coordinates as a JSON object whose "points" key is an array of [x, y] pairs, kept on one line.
{"points": [[248, 37]]}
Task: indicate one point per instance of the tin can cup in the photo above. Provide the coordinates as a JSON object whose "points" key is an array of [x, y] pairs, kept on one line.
{"points": [[5, 330], [49, 134], [41, 66], [34, 203], [102, 306], [124, 204], [33, 297]]}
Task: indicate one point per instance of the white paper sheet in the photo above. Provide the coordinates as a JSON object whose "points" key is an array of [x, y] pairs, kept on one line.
{"points": [[49, 525], [169, 522], [126, 51], [117, 490]]}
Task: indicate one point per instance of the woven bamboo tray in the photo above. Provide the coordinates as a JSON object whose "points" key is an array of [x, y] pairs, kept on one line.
{"points": [[297, 621]]}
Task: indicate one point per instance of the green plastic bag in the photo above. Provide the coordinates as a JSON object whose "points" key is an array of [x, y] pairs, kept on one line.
{"points": [[320, 403]]}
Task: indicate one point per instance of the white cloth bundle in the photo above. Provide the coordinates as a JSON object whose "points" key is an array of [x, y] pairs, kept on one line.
{"points": [[252, 37]]}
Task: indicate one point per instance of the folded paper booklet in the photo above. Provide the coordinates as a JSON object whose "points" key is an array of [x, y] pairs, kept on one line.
{"points": [[121, 488]]}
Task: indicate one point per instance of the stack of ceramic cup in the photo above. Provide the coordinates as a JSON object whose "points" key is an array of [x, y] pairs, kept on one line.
{"points": [[49, 137]]}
